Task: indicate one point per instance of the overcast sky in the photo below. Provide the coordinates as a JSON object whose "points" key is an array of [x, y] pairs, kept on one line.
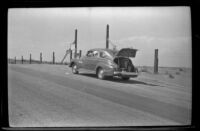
{"points": [[35, 30]]}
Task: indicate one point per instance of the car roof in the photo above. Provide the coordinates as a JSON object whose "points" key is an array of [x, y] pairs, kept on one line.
{"points": [[102, 49], [125, 52], [110, 51]]}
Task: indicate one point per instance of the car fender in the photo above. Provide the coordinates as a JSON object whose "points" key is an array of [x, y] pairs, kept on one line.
{"points": [[105, 66], [74, 61]]}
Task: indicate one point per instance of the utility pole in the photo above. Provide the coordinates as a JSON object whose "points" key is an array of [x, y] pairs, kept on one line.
{"points": [[53, 58], [15, 60], [107, 37], [41, 58], [30, 59], [75, 42], [80, 53], [22, 60], [156, 62]]}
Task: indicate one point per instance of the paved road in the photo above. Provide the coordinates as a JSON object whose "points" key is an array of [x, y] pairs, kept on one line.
{"points": [[49, 95]]}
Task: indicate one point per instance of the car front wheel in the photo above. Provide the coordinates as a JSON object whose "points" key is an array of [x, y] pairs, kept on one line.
{"points": [[74, 69], [100, 74]]}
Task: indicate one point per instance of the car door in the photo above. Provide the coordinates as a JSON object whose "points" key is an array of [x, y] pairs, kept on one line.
{"points": [[88, 60], [94, 60]]}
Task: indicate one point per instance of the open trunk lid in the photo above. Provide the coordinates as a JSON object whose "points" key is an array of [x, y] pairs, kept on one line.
{"points": [[127, 52]]}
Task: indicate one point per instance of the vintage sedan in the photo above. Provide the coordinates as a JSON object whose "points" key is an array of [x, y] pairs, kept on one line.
{"points": [[107, 63]]}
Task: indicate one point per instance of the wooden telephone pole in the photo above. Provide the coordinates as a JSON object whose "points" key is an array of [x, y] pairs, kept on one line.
{"points": [[156, 62], [30, 59], [75, 42], [40, 57], [80, 52], [53, 57], [22, 59], [107, 37]]}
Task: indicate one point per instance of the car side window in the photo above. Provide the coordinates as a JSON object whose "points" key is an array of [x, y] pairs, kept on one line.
{"points": [[96, 54], [105, 54], [102, 55], [90, 54]]}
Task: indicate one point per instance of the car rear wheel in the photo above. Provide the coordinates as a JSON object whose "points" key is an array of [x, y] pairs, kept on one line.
{"points": [[74, 69], [100, 74], [125, 78]]}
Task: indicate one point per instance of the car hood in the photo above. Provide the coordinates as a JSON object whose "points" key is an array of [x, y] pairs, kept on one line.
{"points": [[127, 52]]}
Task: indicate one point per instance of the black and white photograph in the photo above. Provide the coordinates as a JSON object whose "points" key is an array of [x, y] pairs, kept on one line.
{"points": [[99, 66]]}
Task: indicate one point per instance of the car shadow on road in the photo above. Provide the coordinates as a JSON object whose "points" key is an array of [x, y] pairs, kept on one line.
{"points": [[131, 81], [119, 80]]}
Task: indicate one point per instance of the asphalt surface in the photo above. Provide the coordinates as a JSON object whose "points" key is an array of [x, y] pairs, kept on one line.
{"points": [[51, 96]]}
